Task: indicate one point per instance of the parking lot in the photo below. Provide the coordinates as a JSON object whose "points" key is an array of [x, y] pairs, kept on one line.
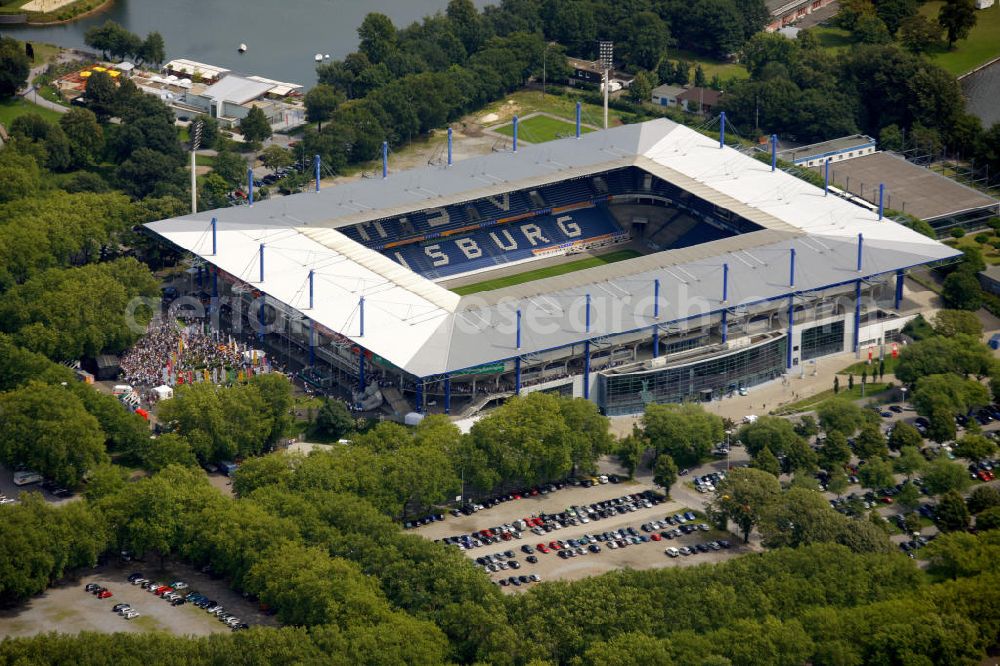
{"points": [[12, 491], [550, 566], [68, 608]]}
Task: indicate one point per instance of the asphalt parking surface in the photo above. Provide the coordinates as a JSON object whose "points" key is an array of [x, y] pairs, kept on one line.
{"points": [[68, 609], [550, 566]]}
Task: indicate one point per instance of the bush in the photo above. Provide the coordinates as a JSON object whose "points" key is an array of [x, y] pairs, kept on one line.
{"points": [[995, 242], [957, 232], [982, 239], [994, 223]]}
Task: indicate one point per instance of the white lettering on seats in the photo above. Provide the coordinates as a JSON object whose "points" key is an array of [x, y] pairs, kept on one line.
{"points": [[434, 252], [437, 217], [362, 230], [502, 202], [533, 234], [469, 248], [568, 226], [401, 261], [511, 243]]}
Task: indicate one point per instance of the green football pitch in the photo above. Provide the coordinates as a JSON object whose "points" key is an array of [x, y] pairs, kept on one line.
{"points": [[539, 273], [539, 129]]}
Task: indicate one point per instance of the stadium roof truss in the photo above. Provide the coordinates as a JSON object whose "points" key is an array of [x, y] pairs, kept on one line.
{"points": [[426, 330]]}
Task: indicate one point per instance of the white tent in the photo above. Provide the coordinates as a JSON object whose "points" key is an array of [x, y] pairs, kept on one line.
{"points": [[413, 418], [163, 392]]}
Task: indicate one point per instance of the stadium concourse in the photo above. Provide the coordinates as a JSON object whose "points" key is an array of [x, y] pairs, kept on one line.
{"points": [[745, 273]]}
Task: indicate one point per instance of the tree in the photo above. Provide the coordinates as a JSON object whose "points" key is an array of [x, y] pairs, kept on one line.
{"points": [[942, 476], [147, 171], [630, 450], [231, 167], [988, 520], [838, 482], [870, 443], [908, 496], [766, 462], [903, 434], [841, 415], [166, 450], [919, 34], [743, 496], [807, 427], [86, 138], [836, 384], [648, 39], [255, 127], [909, 461], [334, 420], [948, 394], [951, 514], [957, 18], [975, 447], [153, 49], [773, 432], [665, 473], [950, 323], [982, 498], [100, 95], [47, 429], [641, 89], [850, 381], [895, 12], [955, 555], [877, 474], [871, 30], [588, 433], [685, 432], [276, 391], [942, 426], [321, 102], [378, 37], [891, 137], [961, 290], [14, 67], [699, 77], [835, 451]]}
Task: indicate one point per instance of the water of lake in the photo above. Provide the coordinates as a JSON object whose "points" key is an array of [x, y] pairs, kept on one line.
{"points": [[282, 38]]}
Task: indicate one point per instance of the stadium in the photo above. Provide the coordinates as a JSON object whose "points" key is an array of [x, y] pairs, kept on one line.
{"points": [[645, 263]]}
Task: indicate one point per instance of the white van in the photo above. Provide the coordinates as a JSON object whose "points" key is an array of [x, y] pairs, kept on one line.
{"points": [[26, 477]]}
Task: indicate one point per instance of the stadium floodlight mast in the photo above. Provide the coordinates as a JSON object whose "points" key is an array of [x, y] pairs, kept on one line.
{"points": [[607, 50], [196, 128]]}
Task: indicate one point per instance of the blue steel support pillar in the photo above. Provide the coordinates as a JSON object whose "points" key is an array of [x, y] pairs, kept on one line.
{"points": [[791, 269], [861, 245], [517, 361], [449, 146], [774, 152], [361, 308], [578, 120], [899, 288], [725, 297], [312, 282], [215, 226], [656, 315], [881, 200], [201, 279], [316, 169], [791, 323], [826, 178], [722, 130], [857, 316], [261, 262], [250, 185], [515, 134], [447, 394], [385, 159]]}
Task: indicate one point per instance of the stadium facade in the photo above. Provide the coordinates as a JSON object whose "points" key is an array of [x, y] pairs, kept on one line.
{"points": [[741, 273]]}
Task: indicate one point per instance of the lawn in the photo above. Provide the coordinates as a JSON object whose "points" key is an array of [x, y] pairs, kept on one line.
{"points": [[537, 274], [982, 45], [711, 66], [857, 368], [990, 254], [833, 39], [12, 108], [539, 129], [524, 102], [872, 389]]}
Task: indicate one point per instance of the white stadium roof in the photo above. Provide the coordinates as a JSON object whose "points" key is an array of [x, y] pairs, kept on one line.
{"points": [[427, 330]]}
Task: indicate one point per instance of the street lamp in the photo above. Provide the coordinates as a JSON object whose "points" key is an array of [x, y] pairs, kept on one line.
{"points": [[606, 51]]}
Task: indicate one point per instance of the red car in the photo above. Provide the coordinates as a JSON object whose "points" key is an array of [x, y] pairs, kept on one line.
{"points": [[104, 594], [542, 548], [160, 591], [554, 545], [655, 537]]}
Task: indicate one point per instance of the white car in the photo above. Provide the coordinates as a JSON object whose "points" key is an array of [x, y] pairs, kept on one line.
{"points": [[130, 614], [672, 552]]}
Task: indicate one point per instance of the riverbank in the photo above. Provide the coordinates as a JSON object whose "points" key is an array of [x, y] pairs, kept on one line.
{"points": [[53, 12]]}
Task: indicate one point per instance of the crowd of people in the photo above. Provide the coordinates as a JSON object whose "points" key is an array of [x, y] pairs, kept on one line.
{"points": [[169, 351]]}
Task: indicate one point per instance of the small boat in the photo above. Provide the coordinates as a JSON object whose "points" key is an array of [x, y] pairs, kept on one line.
{"points": [[319, 57], [242, 48], [326, 57]]}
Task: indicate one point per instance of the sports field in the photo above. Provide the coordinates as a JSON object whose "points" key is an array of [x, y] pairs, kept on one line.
{"points": [[539, 129], [549, 271]]}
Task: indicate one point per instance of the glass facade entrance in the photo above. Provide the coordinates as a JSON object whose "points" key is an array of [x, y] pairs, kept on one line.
{"points": [[699, 380], [822, 340]]}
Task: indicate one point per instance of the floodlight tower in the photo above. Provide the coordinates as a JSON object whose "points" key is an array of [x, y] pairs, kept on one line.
{"points": [[195, 144], [607, 53]]}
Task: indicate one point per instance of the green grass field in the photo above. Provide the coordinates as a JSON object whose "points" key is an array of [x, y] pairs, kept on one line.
{"points": [[712, 67], [538, 274], [982, 45], [833, 39], [872, 390], [12, 108], [539, 129]]}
